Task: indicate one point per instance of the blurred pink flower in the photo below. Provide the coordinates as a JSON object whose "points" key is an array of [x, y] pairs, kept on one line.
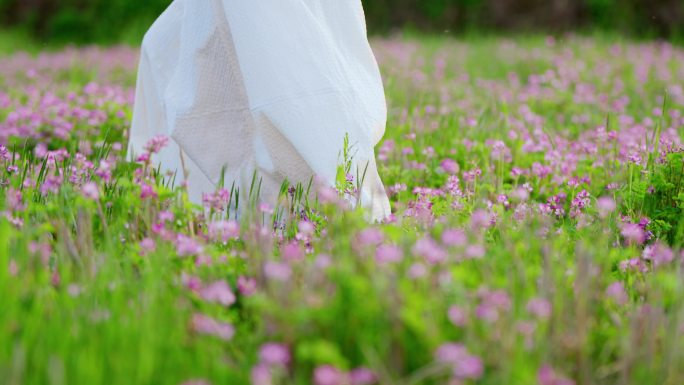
{"points": [[636, 264], [306, 228], [218, 200], [464, 364], [328, 375], [498, 298], [449, 166], [261, 375], [370, 237], [469, 367], [480, 219], [454, 237], [14, 200], [247, 286], [457, 316], [292, 252], [223, 231], [191, 282], [521, 194], [147, 191], [156, 144], [203, 260], [492, 304], [475, 251], [328, 195], [388, 254], [148, 245], [209, 326], [13, 268], [427, 248], [539, 307], [186, 246], [4, 153], [633, 233], [658, 253], [450, 353], [453, 187], [362, 376], [165, 216], [616, 291], [548, 376], [487, 312], [323, 261], [219, 292], [503, 200], [606, 205], [265, 208], [90, 191], [143, 158], [472, 175], [272, 354], [277, 271], [417, 271]]}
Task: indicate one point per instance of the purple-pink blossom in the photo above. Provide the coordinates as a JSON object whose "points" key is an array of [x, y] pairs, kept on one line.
{"points": [[328, 375], [247, 286], [219, 292], [454, 237], [277, 271], [91, 191], [449, 166], [539, 307], [273, 354], [388, 254], [457, 316], [206, 325], [430, 250], [616, 291]]}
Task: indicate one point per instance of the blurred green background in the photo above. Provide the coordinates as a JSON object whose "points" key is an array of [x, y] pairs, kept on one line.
{"points": [[102, 21]]}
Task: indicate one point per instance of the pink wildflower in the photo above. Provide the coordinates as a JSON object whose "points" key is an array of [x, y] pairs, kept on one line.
{"points": [[292, 252], [539, 307], [548, 376], [454, 237], [658, 253], [272, 354], [186, 246], [247, 286], [219, 292], [90, 191], [328, 375], [148, 245], [427, 248], [633, 233], [449, 166], [616, 291], [370, 237], [209, 326], [606, 206], [277, 271], [457, 316], [362, 376], [156, 144]]}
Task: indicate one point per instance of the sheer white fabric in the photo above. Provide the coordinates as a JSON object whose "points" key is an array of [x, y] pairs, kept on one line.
{"points": [[267, 85]]}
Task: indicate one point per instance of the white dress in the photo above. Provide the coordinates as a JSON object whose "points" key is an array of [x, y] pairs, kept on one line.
{"points": [[265, 85]]}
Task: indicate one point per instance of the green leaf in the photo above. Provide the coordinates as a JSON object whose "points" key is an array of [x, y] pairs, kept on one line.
{"points": [[321, 352]]}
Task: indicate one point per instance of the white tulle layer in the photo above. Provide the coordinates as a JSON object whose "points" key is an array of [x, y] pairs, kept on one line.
{"points": [[269, 85]]}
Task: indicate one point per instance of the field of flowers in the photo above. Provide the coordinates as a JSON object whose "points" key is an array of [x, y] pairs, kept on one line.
{"points": [[538, 190]]}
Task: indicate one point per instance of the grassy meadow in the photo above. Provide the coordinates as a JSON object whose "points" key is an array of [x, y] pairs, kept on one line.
{"points": [[537, 186]]}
